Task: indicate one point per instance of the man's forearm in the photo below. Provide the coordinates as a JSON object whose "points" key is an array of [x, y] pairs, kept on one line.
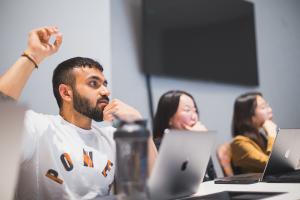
{"points": [[39, 47], [14, 79]]}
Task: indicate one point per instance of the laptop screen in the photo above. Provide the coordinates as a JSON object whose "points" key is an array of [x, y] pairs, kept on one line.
{"points": [[181, 163]]}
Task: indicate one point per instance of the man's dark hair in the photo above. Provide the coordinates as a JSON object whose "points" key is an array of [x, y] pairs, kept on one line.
{"points": [[166, 108], [244, 110], [63, 73]]}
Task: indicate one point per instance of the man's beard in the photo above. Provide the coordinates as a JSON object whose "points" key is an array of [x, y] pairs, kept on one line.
{"points": [[84, 107]]}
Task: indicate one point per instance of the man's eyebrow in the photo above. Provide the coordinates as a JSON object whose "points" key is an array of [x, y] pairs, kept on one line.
{"points": [[97, 78], [94, 77]]}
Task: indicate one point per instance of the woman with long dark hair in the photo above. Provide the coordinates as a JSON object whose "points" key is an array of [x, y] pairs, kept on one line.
{"points": [[178, 110], [253, 131]]}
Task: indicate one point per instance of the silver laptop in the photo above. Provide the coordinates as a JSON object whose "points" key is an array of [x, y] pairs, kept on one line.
{"points": [[285, 155], [181, 164], [11, 126], [283, 164]]}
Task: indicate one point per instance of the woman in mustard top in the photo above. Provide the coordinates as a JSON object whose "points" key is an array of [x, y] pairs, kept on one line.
{"points": [[253, 131]]}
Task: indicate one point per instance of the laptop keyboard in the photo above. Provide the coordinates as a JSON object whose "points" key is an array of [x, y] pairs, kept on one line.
{"points": [[240, 179], [288, 177], [235, 195]]}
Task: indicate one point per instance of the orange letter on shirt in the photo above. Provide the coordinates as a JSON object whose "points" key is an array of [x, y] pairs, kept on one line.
{"points": [[107, 168], [53, 175], [88, 159]]}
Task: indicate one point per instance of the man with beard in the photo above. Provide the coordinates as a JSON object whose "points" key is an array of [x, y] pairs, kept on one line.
{"points": [[66, 156]]}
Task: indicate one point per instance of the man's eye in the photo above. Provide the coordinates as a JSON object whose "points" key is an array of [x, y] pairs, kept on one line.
{"points": [[93, 84]]}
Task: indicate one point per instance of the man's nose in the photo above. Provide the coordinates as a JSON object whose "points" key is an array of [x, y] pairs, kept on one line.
{"points": [[104, 91]]}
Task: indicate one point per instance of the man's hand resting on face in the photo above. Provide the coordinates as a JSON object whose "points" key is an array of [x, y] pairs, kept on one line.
{"points": [[121, 110]]}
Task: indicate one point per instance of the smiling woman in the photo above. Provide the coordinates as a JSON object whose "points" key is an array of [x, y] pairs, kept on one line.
{"points": [[178, 110]]}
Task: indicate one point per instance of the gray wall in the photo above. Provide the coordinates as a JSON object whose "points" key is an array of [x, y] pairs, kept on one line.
{"points": [[94, 28], [278, 43], [128, 84], [86, 31], [278, 34]]}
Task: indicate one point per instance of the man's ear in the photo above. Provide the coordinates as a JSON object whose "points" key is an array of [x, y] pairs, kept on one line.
{"points": [[65, 92]]}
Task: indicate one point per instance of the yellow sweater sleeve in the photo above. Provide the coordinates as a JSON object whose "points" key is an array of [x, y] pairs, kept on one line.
{"points": [[270, 144], [248, 156]]}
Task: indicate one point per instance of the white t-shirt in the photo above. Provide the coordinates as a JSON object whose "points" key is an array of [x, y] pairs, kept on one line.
{"points": [[63, 161]]}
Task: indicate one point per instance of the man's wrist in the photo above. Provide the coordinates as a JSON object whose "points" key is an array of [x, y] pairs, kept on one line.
{"points": [[31, 58], [37, 56]]}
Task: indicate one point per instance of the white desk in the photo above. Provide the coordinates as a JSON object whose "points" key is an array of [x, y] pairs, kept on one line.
{"points": [[292, 189]]}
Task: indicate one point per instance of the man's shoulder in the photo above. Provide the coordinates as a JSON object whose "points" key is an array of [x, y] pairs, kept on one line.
{"points": [[36, 119], [32, 113]]}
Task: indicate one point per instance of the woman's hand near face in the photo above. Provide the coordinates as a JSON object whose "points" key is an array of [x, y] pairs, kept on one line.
{"points": [[198, 126], [270, 128]]}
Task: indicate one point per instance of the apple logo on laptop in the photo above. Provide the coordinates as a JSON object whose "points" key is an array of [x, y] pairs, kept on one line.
{"points": [[287, 153], [184, 165]]}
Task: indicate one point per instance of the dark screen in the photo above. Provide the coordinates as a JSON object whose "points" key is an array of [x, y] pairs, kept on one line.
{"points": [[200, 39]]}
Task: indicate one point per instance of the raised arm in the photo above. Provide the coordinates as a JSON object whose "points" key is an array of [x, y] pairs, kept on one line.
{"points": [[39, 47]]}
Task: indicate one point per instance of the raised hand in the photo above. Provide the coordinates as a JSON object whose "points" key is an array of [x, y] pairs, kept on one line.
{"points": [[270, 128], [39, 46], [120, 109]]}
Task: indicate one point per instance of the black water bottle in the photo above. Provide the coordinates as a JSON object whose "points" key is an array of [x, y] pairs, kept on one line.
{"points": [[132, 159]]}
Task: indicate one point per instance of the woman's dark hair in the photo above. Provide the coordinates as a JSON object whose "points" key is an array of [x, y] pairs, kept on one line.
{"points": [[167, 107], [244, 110]]}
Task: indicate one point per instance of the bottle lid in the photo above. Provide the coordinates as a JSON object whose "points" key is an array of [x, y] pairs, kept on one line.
{"points": [[131, 129]]}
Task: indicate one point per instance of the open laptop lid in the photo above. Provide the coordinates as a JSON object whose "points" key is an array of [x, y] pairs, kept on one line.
{"points": [[11, 126], [181, 164], [285, 155]]}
